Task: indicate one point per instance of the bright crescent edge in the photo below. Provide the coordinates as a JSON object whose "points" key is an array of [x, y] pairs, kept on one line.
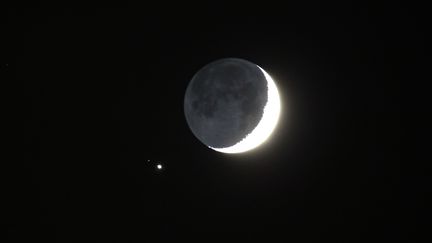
{"points": [[266, 125]]}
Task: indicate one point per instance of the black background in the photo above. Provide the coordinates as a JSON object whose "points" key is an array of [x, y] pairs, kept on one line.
{"points": [[99, 91]]}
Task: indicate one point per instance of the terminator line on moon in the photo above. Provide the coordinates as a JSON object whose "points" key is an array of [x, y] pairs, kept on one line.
{"points": [[232, 105]]}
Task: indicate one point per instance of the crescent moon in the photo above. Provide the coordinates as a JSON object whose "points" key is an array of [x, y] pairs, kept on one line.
{"points": [[266, 125]]}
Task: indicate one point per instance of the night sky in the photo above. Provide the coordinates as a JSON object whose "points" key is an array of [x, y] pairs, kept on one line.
{"points": [[100, 92]]}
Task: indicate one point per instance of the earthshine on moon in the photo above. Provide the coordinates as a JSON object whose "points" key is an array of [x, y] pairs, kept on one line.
{"points": [[232, 105]]}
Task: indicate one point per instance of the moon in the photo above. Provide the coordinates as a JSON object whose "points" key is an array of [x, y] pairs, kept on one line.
{"points": [[232, 105]]}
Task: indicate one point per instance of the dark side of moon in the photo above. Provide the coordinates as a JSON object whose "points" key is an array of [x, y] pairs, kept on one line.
{"points": [[225, 101]]}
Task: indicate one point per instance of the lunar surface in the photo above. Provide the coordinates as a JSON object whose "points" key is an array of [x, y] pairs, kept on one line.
{"points": [[232, 105]]}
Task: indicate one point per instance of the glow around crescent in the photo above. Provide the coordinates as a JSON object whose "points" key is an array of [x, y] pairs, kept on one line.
{"points": [[265, 126]]}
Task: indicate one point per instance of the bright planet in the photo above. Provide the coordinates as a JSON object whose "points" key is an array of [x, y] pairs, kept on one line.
{"points": [[232, 105]]}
